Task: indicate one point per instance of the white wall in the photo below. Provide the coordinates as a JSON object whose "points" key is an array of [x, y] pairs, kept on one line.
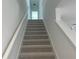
{"points": [[28, 5], [49, 8], [13, 12], [15, 48], [67, 11], [63, 47], [40, 9]]}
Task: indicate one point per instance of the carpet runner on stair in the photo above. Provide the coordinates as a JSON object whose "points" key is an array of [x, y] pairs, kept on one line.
{"points": [[36, 43]]}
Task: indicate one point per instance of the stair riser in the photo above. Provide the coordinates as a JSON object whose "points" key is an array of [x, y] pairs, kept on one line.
{"points": [[35, 21], [36, 37], [39, 49], [35, 40], [42, 57], [35, 24], [35, 30], [35, 27], [35, 33], [36, 43]]}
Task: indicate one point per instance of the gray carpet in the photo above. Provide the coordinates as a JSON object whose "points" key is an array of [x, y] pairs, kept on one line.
{"points": [[36, 43]]}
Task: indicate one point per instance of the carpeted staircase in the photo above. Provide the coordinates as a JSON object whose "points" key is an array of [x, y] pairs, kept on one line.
{"points": [[36, 43]]}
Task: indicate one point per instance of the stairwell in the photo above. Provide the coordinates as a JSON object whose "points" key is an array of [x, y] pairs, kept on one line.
{"points": [[36, 43]]}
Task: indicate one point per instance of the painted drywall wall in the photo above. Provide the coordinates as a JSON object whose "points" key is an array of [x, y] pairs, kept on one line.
{"points": [[50, 5], [12, 14], [68, 12], [28, 5], [41, 9], [15, 50], [63, 47]]}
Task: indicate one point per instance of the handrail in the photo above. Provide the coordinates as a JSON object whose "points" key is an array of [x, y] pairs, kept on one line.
{"points": [[11, 42]]}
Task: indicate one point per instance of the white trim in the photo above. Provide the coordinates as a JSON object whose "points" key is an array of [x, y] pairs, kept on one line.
{"points": [[8, 50], [57, 57]]}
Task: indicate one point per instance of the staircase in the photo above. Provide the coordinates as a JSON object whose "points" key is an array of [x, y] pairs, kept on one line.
{"points": [[36, 43]]}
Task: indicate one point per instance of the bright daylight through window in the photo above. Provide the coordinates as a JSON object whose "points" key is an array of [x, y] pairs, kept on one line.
{"points": [[34, 14]]}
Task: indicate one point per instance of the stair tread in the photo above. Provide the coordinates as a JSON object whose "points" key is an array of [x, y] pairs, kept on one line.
{"points": [[36, 35], [35, 25], [36, 28], [36, 46], [36, 43], [38, 53], [35, 31], [36, 40]]}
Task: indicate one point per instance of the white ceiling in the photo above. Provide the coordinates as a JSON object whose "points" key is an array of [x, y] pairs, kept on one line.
{"points": [[34, 5]]}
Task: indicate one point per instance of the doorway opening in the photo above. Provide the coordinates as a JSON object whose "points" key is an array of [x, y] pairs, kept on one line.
{"points": [[34, 15], [35, 9]]}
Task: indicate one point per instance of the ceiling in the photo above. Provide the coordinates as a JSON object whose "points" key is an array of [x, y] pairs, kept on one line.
{"points": [[34, 5]]}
